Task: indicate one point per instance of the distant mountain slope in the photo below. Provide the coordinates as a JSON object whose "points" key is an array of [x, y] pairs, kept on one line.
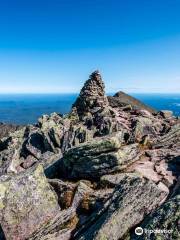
{"points": [[121, 99]]}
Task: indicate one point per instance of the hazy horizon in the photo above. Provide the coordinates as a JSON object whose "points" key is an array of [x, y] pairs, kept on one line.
{"points": [[76, 93], [27, 108]]}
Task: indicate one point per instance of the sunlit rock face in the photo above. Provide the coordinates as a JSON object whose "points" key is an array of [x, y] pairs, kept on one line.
{"points": [[27, 202]]}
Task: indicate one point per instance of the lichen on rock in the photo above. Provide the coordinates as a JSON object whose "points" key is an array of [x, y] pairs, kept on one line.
{"points": [[27, 202]]}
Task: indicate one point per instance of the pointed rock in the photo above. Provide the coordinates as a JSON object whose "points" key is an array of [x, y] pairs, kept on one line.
{"points": [[121, 99], [92, 96]]}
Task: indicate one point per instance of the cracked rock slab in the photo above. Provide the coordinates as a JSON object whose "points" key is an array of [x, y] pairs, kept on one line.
{"points": [[26, 203], [132, 199], [100, 157]]}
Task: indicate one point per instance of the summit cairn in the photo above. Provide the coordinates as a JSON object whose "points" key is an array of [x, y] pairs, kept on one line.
{"points": [[92, 96]]}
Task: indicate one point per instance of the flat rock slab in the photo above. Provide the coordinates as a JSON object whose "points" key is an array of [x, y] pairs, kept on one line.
{"points": [[132, 199], [26, 203], [99, 157], [167, 218]]}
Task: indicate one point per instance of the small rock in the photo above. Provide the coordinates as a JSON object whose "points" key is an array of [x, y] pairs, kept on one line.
{"points": [[166, 113]]}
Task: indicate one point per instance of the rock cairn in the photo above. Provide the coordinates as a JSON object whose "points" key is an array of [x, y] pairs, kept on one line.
{"points": [[92, 96]]}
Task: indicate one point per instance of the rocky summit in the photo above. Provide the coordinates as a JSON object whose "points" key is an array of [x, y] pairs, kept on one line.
{"points": [[109, 166]]}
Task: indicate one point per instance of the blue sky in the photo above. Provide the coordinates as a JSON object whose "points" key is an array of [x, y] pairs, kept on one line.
{"points": [[53, 45]]}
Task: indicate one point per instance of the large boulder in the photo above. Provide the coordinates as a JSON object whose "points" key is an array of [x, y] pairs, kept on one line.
{"points": [[62, 225], [27, 202], [78, 134], [146, 126], [10, 151], [170, 140], [133, 198], [54, 127], [99, 157], [164, 223]]}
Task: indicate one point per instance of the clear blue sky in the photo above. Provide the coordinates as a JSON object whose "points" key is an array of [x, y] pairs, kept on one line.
{"points": [[53, 45]]}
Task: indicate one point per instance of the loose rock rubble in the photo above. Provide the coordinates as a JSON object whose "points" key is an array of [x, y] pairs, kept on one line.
{"points": [[6, 129], [108, 166]]}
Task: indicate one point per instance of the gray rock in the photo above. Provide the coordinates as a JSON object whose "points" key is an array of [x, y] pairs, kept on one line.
{"points": [[99, 157], [64, 222], [132, 199], [166, 113], [6, 129], [169, 140], [54, 127], [166, 218], [112, 180], [26, 203], [10, 154], [146, 126]]}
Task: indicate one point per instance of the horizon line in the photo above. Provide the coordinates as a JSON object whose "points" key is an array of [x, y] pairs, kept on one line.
{"points": [[112, 92]]}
